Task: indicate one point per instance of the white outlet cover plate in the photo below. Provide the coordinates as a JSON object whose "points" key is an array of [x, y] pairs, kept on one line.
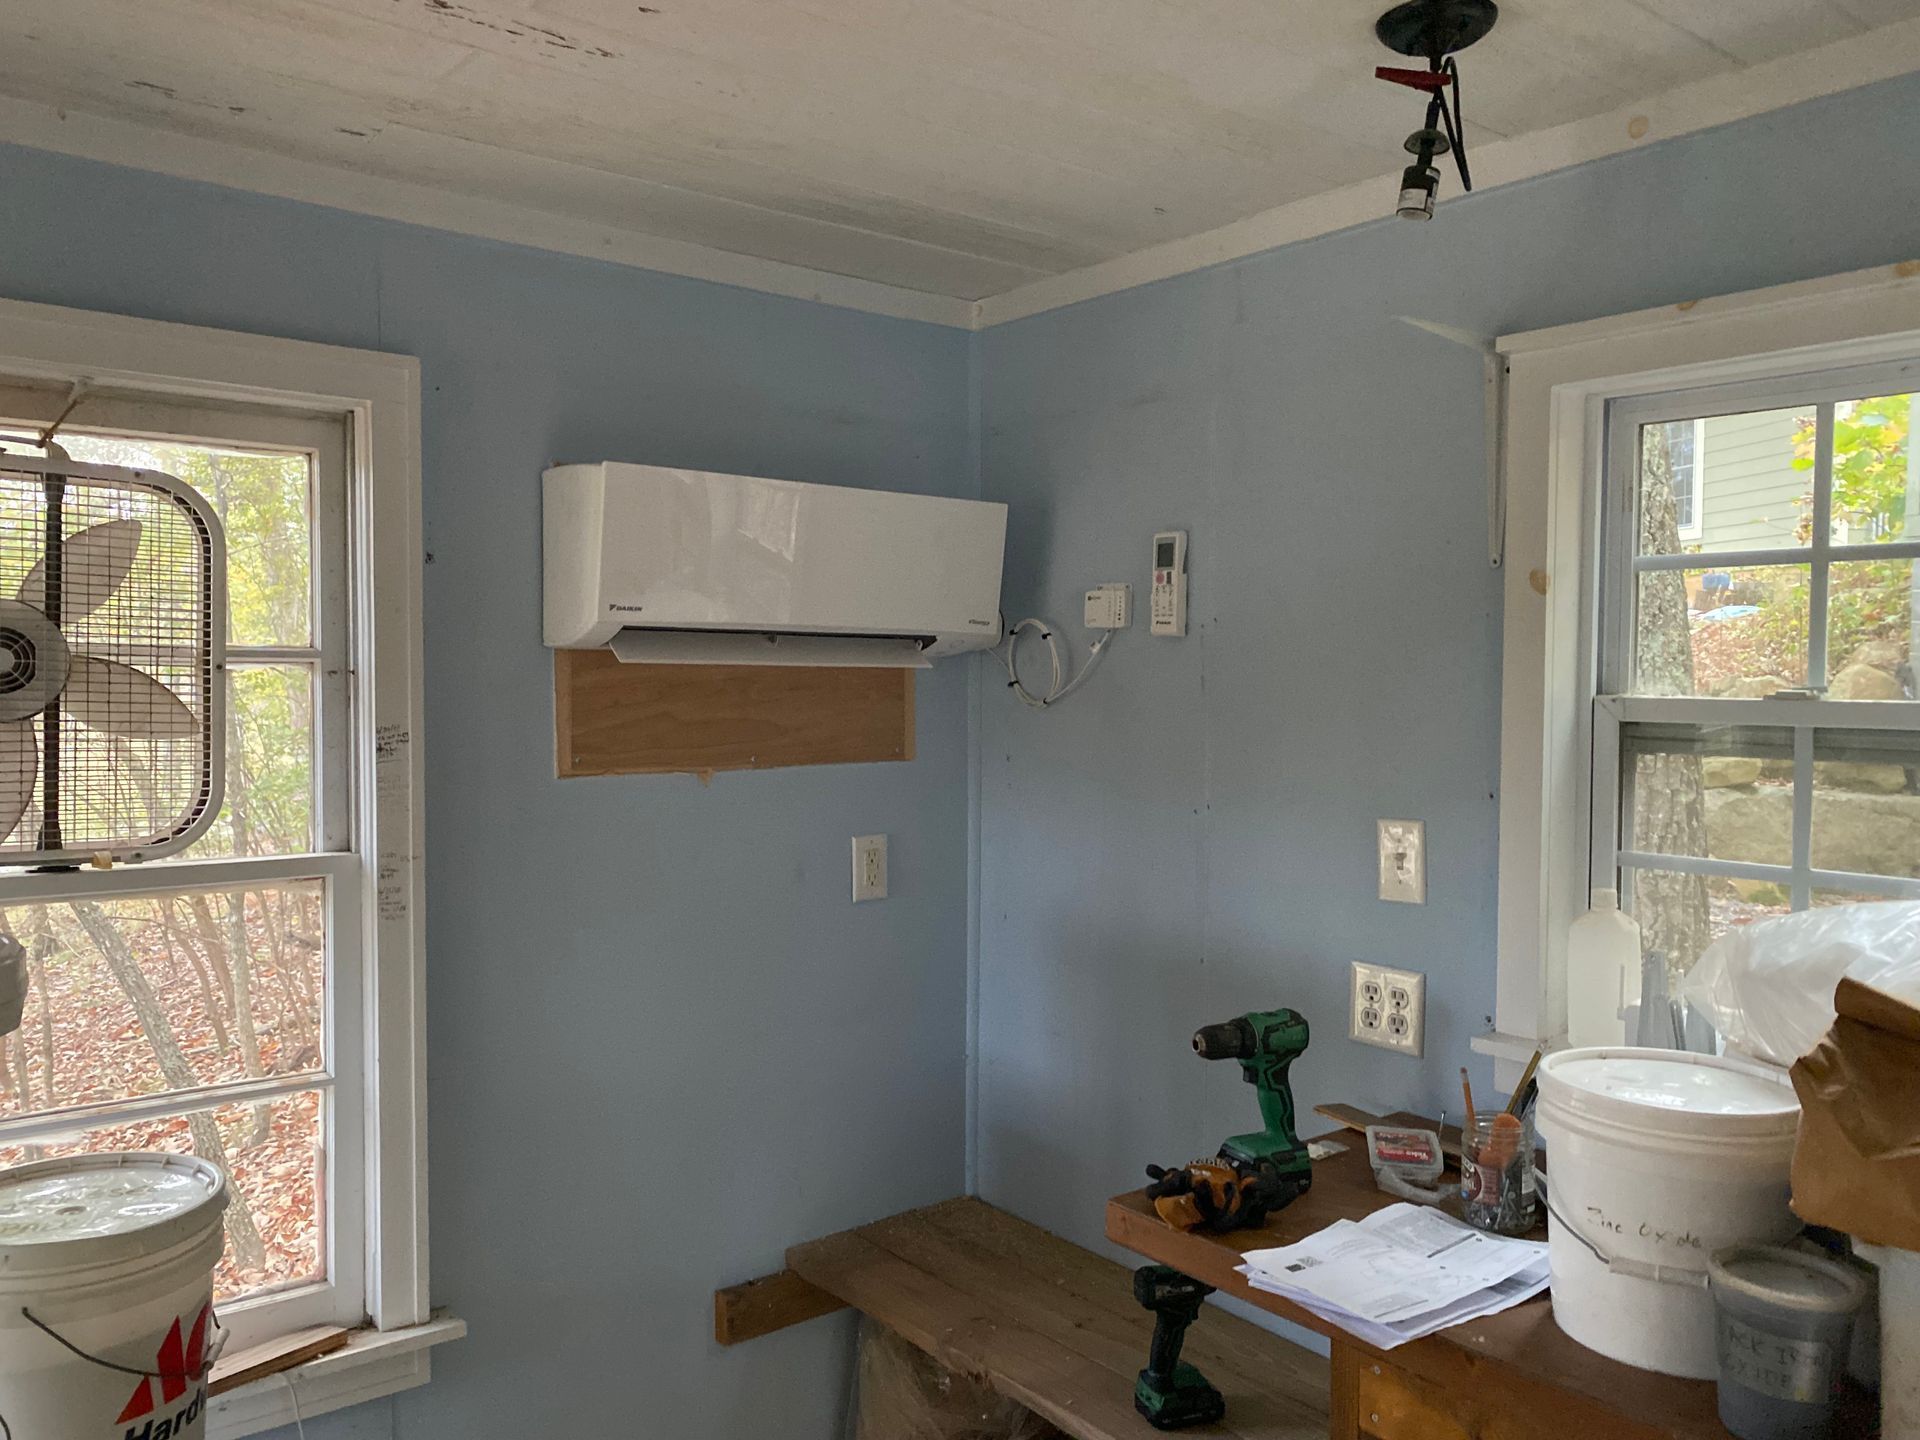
{"points": [[869, 867], [1388, 1008], [1403, 861]]}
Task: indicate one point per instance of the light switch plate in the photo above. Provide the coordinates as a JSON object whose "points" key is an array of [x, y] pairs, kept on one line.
{"points": [[1389, 1009], [1403, 861], [869, 867]]}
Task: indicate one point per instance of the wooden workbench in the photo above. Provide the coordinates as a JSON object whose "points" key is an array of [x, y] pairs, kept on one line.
{"points": [[1050, 1325], [1511, 1376]]}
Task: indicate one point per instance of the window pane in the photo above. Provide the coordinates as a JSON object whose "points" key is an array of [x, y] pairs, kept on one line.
{"points": [[1728, 482], [1713, 806], [1870, 630], [1721, 632], [1873, 497], [265, 505], [273, 1156], [135, 997], [1866, 809], [268, 808]]}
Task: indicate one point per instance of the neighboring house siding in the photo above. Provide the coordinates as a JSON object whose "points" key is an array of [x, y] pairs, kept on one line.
{"points": [[1752, 492]]}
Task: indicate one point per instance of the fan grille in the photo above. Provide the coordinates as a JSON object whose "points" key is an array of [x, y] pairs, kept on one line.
{"points": [[96, 790]]}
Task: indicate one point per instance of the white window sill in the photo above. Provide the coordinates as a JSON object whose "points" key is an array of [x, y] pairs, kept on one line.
{"points": [[373, 1363], [1510, 1054]]}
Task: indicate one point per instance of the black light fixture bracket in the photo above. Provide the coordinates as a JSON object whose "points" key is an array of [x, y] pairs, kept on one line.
{"points": [[1432, 30]]}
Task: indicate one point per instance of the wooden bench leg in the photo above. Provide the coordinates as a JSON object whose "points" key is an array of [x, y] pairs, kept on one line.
{"points": [[1343, 1417]]}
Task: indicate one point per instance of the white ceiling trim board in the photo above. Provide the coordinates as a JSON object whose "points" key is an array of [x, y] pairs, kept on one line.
{"points": [[1882, 54], [189, 157]]}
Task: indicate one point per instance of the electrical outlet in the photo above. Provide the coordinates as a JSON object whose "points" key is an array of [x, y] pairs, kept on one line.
{"points": [[1403, 861], [1389, 1009], [1109, 607], [869, 867]]}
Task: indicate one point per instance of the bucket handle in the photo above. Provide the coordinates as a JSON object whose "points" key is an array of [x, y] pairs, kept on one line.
{"points": [[1638, 1269], [216, 1344]]}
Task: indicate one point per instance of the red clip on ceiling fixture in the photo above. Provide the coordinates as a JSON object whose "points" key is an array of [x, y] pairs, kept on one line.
{"points": [[1432, 30]]}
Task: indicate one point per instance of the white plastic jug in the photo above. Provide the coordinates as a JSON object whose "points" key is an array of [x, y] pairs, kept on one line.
{"points": [[114, 1256], [1603, 972]]}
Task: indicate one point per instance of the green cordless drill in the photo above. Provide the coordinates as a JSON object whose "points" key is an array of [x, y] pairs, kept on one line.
{"points": [[1170, 1392], [1257, 1173], [1266, 1043]]}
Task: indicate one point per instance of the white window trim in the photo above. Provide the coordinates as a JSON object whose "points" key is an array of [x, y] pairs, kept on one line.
{"points": [[1558, 384], [381, 393]]}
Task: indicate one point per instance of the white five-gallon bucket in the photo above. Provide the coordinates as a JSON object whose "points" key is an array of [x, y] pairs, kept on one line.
{"points": [[108, 1258], [1658, 1159]]}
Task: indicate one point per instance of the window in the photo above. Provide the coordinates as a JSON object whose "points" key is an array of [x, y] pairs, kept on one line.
{"points": [[178, 1009], [255, 998], [1806, 791], [1705, 710]]}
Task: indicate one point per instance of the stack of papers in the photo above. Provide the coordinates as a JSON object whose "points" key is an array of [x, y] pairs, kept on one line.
{"points": [[1401, 1273]]}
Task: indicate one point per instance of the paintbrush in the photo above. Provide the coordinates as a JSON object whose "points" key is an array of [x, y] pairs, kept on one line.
{"points": [[1466, 1090]]}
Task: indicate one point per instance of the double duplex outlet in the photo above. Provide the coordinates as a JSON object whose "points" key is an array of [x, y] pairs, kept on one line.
{"points": [[1389, 1009]]}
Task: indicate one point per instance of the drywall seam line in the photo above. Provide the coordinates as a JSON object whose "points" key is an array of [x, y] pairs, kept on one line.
{"points": [[976, 709]]}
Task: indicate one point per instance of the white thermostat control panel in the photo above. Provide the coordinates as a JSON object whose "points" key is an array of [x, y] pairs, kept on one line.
{"points": [[1169, 609], [1109, 607]]}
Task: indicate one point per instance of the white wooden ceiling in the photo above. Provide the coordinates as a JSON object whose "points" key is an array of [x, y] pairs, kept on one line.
{"points": [[961, 149]]}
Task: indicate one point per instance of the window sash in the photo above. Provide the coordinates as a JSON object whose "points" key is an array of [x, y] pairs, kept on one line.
{"points": [[1803, 712], [340, 1297], [1619, 503]]}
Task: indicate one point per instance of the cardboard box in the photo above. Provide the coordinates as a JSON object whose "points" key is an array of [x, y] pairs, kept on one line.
{"points": [[1856, 1166]]}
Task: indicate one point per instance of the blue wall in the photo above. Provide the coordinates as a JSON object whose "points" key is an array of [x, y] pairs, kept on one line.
{"points": [[1192, 835], [663, 1045]]}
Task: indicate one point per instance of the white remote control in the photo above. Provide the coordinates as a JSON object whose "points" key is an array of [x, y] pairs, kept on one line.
{"points": [[1169, 609]]}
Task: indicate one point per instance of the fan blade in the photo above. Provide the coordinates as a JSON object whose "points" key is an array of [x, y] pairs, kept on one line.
{"points": [[93, 562], [124, 701], [19, 764]]}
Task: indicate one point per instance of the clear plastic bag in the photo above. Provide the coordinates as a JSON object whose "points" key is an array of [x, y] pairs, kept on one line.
{"points": [[903, 1395], [1768, 987]]}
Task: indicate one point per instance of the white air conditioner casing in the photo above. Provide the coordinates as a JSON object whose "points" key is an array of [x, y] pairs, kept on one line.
{"points": [[693, 567]]}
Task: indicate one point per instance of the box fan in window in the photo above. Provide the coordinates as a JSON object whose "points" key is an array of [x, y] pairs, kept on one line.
{"points": [[112, 631]]}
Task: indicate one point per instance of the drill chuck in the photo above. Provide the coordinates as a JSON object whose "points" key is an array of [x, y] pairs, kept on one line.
{"points": [[1229, 1040]]}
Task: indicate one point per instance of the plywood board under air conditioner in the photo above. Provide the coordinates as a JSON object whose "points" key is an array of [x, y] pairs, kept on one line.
{"points": [[617, 719]]}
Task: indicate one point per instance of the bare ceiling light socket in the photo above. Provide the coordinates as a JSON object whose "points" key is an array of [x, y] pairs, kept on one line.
{"points": [[1432, 30]]}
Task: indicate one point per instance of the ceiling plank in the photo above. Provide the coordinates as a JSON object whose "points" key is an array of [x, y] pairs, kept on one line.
{"points": [[1756, 31]]}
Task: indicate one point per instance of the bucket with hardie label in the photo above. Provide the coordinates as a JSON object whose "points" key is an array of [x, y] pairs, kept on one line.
{"points": [[1659, 1159], [106, 1296]]}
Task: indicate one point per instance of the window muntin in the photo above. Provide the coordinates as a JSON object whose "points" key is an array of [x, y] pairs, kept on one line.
{"points": [[188, 1015], [1753, 751]]}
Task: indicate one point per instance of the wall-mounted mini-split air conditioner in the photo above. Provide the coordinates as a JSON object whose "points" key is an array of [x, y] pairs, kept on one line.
{"points": [[691, 567]]}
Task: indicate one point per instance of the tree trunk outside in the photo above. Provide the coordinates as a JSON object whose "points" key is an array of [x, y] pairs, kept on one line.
{"points": [[1669, 795]]}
